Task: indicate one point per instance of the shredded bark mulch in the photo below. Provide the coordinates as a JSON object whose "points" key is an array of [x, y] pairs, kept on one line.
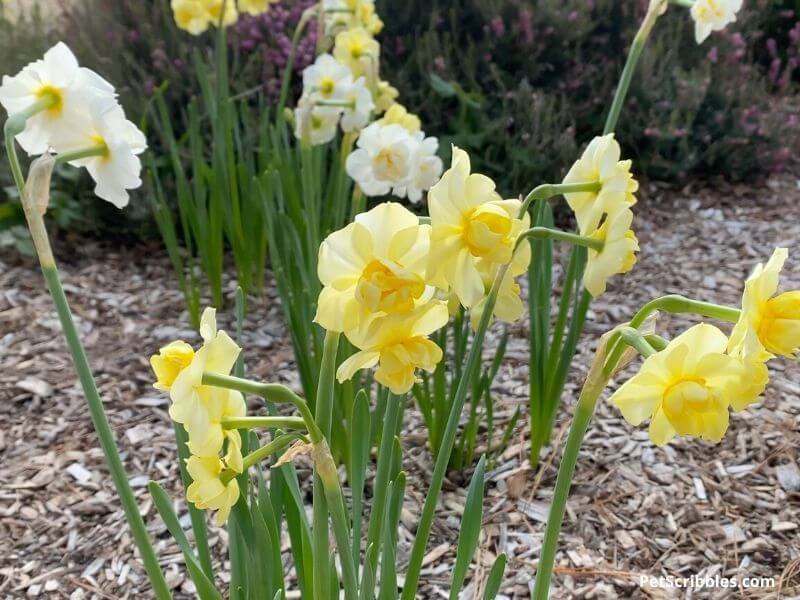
{"points": [[635, 511]]}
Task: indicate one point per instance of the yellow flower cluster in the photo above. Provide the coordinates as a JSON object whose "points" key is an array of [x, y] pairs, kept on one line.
{"points": [[689, 387], [387, 278], [195, 16], [201, 409], [605, 214]]}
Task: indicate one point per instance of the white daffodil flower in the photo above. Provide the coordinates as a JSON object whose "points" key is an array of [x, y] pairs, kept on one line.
{"points": [[357, 114], [71, 90], [382, 159], [116, 168]]}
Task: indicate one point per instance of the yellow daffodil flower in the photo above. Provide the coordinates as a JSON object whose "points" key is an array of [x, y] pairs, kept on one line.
{"points": [[254, 7], [357, 49], [207, 491], [221, 12], [509, 306], [169, 362], [399, 115], [191, 15], [616, 256], [373, 266], [773, 320], [685, 388], [470, 223], [385, 96], [206, 437], [398, 344], [181, 372], [601, 163]]}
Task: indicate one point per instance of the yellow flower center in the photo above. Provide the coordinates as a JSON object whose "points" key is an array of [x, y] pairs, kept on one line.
{"points": [[356, 48], [326, 86], [486, 231], [383, 289], [686, 397], [57, 98], [388, 165]]}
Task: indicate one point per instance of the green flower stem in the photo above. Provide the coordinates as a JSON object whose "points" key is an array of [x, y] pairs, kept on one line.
{"points": [[448, 440], [268, 391], [96, 150], [542, 233], [327, 492], [35, 219], [656, 341], [335, 103], [265, 451], [265, 422], [630, 64], [672, 304], [596, 381], [634, 338], [682, 3], [287, 72], [580, 423], [549, 190]]}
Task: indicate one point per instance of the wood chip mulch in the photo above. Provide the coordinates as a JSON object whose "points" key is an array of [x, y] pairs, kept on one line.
{"points": [[635, 511]]}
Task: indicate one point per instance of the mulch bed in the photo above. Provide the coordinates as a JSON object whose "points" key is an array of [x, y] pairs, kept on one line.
{"points": [[691, 508]]}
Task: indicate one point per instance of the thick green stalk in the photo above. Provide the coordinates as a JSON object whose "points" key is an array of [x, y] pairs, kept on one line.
{"points": [[96, 411], [549, 190], [287, 72], [265, 422], [96, 150], [448, 439], [580, 423], [630, 64]]}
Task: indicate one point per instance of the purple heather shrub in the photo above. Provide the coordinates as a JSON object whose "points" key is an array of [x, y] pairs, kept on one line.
{"points": [[265, 40]]}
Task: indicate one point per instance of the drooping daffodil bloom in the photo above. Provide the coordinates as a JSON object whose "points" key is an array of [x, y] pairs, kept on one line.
{"points": [[470, 223], [207, 490], [773, 320], [398, 344], [684, 389], [70, 89], [117, 167], [206, 439], [357, 49], [373, 266], [397, 114], [195, 405], [314, 124], [509, 306], [600, 163], [618, 254], [713, 15]]}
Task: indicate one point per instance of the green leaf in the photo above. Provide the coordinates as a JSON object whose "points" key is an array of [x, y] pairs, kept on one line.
{"points": [[495, 577], [471, 523], [444, 88], [205, 588], [358, 466]]}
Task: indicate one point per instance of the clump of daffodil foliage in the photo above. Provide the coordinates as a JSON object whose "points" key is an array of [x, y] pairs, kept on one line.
{"points": [[389, 279]]}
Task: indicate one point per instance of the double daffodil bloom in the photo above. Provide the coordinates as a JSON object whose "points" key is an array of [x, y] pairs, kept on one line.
{"points": [[618, 254], [357, 49], [685, 389], [180, 370], [207, 491], [470, 223], [600, 162], [398, 344], [373, 266], [399, 115], [713, 15], [774, 321]]}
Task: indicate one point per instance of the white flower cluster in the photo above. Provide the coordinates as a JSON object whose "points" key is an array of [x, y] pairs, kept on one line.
{"points": [[74, 111], [331, 97], [390, 158]]}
